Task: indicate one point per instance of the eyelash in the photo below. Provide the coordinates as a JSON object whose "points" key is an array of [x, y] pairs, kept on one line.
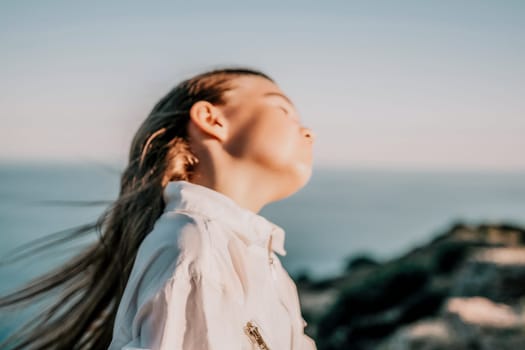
{"points": [[284, 109]]}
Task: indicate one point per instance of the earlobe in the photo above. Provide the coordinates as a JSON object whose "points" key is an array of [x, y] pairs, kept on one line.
{"points": [[209, 119]]}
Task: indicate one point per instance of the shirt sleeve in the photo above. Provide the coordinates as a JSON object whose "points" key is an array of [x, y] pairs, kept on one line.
{"points": [[180, 303], [185, 314], [308, 343]]}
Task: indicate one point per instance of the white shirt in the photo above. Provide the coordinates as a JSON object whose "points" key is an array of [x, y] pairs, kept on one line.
{"points": [[204, 276]]}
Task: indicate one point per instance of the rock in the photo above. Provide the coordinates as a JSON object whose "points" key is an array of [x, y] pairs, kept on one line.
{"points": [[431, 334], [465, 323], [463, 290], [482, 324], [483, 312], [494, 273]]}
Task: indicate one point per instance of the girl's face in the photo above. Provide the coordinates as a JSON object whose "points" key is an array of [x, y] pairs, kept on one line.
{"points": [[266, 130]]}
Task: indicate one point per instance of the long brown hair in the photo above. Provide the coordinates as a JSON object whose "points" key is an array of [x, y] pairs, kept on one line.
{"points": [[89, 287]]}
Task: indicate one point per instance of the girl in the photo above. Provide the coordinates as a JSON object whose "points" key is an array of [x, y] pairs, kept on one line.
{"points": [[184, 260]]}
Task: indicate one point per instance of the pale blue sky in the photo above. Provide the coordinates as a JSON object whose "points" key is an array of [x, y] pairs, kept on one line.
{"points": [[393, 84]]}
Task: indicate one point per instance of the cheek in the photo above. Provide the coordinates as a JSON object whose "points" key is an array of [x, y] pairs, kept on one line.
{"points": [[273, 143]]}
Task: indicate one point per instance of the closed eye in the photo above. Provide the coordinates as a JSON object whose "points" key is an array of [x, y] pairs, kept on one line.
{"points": [[285, 110]]}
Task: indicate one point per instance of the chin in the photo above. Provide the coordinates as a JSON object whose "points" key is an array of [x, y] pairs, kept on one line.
{"points": [[303, 175], [295, 179], [307, 176]]}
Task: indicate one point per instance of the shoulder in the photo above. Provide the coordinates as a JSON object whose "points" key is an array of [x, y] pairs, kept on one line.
{"points": [[175, 247], [179, 230], [178, 243]]}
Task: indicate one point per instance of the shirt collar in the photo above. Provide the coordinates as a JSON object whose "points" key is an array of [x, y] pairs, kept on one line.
{"points": [[253, 227]]}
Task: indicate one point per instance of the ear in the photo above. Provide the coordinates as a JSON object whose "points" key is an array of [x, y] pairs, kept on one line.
{"points": [[209, 119]]}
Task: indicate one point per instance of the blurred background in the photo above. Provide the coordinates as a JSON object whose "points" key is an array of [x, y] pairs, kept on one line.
{"points": [[409, 234]]}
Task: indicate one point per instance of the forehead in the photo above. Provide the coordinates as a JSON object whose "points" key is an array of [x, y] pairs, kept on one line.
{"points": [[251, 87]]}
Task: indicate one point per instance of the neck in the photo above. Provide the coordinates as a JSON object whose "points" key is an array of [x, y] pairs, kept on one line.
{"points": [[235, 181]]}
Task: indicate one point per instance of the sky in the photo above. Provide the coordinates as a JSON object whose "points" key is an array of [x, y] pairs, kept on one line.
{"points": [[387, 84]]}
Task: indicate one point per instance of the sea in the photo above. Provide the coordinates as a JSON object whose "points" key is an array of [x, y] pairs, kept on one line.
{"points": [[339, 214]]}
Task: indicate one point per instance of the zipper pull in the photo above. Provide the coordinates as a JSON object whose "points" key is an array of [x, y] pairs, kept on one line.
{"points": [[252, 330]]}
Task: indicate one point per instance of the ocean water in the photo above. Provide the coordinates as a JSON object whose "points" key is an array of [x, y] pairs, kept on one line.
{"points": [[339, 213]]}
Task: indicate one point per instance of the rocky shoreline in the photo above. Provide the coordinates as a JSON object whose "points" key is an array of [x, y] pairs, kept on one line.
{"points": [[463, 290]]}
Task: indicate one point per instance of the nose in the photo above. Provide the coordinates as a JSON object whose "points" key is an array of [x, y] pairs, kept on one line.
{"points": [[309, 134]]}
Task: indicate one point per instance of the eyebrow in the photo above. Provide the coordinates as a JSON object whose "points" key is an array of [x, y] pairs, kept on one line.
{"points": [[279, 94]]}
